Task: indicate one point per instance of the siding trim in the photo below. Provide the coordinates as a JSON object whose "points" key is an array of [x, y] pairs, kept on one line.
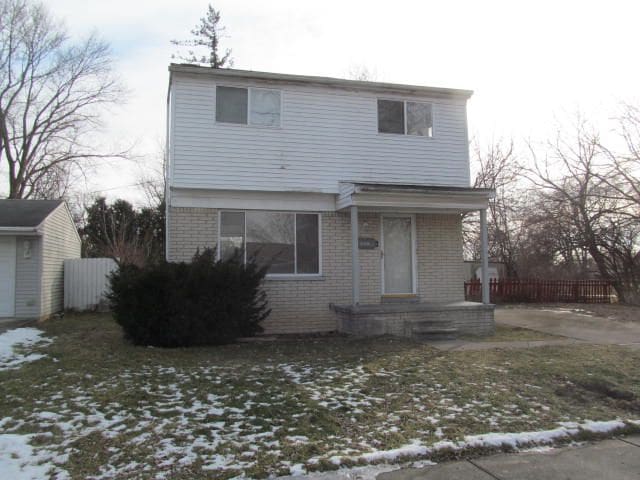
{"points": [[252, 200]]}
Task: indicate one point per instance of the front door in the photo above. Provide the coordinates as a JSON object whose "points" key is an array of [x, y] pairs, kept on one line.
{"points": [[397, 255]]}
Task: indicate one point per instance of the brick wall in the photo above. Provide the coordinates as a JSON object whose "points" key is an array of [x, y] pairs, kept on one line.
{"points": [[190, 229], [440, 262], [300, 306]]}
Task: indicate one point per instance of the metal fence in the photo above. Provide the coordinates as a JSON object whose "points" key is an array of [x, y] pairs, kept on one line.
{"points": [[510, 290], [86, 283]]}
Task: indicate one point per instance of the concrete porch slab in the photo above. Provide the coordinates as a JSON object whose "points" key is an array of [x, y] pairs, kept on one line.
{"points": [[416, 320]]}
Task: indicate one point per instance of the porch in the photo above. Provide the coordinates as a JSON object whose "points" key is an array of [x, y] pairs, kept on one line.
{"points": [[424, 321], [417, 257]]}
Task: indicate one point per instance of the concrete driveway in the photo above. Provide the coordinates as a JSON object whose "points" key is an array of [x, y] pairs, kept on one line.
{"points": [[572, 324]]}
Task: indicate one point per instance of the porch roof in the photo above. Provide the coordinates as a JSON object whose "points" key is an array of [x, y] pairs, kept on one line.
{"points": [[412, 198]]}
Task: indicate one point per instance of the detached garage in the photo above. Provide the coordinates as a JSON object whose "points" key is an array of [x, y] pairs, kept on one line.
{"points": [[36, 236]]}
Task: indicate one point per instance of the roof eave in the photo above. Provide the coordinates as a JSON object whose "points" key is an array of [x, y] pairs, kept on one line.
{"points": [[321, 81], [20, 231]]}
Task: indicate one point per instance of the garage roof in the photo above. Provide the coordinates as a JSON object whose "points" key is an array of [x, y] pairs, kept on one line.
{"points": [[26, 213]]}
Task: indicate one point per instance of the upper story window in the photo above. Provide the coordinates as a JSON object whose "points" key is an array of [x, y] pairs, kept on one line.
{"points": [[252, 106], [289, 243], [405, 118]]}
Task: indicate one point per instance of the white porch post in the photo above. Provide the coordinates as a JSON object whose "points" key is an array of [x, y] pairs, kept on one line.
{"points": [[355, 260], [484, 256]]}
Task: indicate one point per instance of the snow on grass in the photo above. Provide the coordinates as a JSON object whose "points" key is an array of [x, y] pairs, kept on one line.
{"points": [[289, 408], [10, 357], [19, 461], [513, 441]]}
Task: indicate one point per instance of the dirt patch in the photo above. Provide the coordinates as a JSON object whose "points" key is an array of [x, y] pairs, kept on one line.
{"points": [[593, 390]]}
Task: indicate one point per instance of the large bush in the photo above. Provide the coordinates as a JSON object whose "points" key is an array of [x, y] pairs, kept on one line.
{"points": [[204, 302]]}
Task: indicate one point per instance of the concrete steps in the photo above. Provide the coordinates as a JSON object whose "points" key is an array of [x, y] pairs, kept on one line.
{"points": [[433, 330]]}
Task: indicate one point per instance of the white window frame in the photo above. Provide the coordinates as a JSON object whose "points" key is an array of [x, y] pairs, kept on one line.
{"points": [[249, 96], [278, 276], [404, 106]]}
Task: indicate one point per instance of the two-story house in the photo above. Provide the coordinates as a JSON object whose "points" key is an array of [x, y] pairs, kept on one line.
{"points": [[352, 192]]}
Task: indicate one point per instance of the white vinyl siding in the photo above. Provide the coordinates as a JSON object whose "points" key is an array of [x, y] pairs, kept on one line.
{"points": [[60, 241], [326, 136]]}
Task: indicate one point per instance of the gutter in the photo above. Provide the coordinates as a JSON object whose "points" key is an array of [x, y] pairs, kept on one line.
{"points": [[21, 231]]}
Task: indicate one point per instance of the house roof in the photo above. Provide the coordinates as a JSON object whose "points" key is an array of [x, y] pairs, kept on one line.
{"points": [[26, 213], [320, 81]]}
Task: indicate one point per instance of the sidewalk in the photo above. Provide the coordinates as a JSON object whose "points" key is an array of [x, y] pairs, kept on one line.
{"points": [[617, 459]]}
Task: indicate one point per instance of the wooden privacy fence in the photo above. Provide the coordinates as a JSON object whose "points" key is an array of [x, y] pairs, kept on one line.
{"points": [[85, 282], [510, 290]]}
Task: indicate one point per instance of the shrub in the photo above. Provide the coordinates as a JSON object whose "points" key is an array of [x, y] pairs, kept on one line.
{"points": [[205, 302]]}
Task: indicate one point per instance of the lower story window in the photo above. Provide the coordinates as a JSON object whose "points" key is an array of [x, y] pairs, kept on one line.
{"points": [[289, 243]]}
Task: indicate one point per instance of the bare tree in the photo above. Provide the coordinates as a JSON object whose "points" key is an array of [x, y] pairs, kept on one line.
{"points": [[152, 178], [571, 176], [206, 35], [498, 169], [622, 174], [50, 94]]}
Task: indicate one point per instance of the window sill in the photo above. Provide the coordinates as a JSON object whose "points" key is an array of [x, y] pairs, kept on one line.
{"points": [[247, 125], [292, 277], [399, 135]]}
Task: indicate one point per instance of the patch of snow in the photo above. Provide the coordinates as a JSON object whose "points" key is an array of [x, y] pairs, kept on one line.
{"points": [[602, 427], [23, 337], [369, 472], [488, 440], [541, 449], [297, 439], [18, 460], [297, 470], [514, 440], [413, 449]]}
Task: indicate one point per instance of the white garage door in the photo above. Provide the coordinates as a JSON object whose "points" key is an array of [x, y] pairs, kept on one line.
{"points": [[7, 276]]}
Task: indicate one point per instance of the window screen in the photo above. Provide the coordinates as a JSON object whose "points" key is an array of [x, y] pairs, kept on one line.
{"points": [[270, 240], [390, 116], [307, 243], [419, 119], [231, 235], [231, 105], [265, 107], [289, 243]]}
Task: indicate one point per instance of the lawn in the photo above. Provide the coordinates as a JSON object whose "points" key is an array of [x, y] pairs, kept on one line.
{"points": [[507, 333], [95, 406]]}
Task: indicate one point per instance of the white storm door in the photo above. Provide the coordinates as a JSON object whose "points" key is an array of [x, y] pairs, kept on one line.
{"points": [[397, 258], [7, 276]]}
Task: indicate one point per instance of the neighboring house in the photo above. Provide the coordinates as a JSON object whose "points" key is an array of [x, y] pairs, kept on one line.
{"points": [[473, 270], [352, 191], [36, 236]]}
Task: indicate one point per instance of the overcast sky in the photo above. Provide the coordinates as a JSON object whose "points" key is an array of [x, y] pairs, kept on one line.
{"points": [[526, 61]]}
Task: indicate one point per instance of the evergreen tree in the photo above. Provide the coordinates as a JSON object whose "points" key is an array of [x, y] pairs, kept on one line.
{"points": [[206, 35]]}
